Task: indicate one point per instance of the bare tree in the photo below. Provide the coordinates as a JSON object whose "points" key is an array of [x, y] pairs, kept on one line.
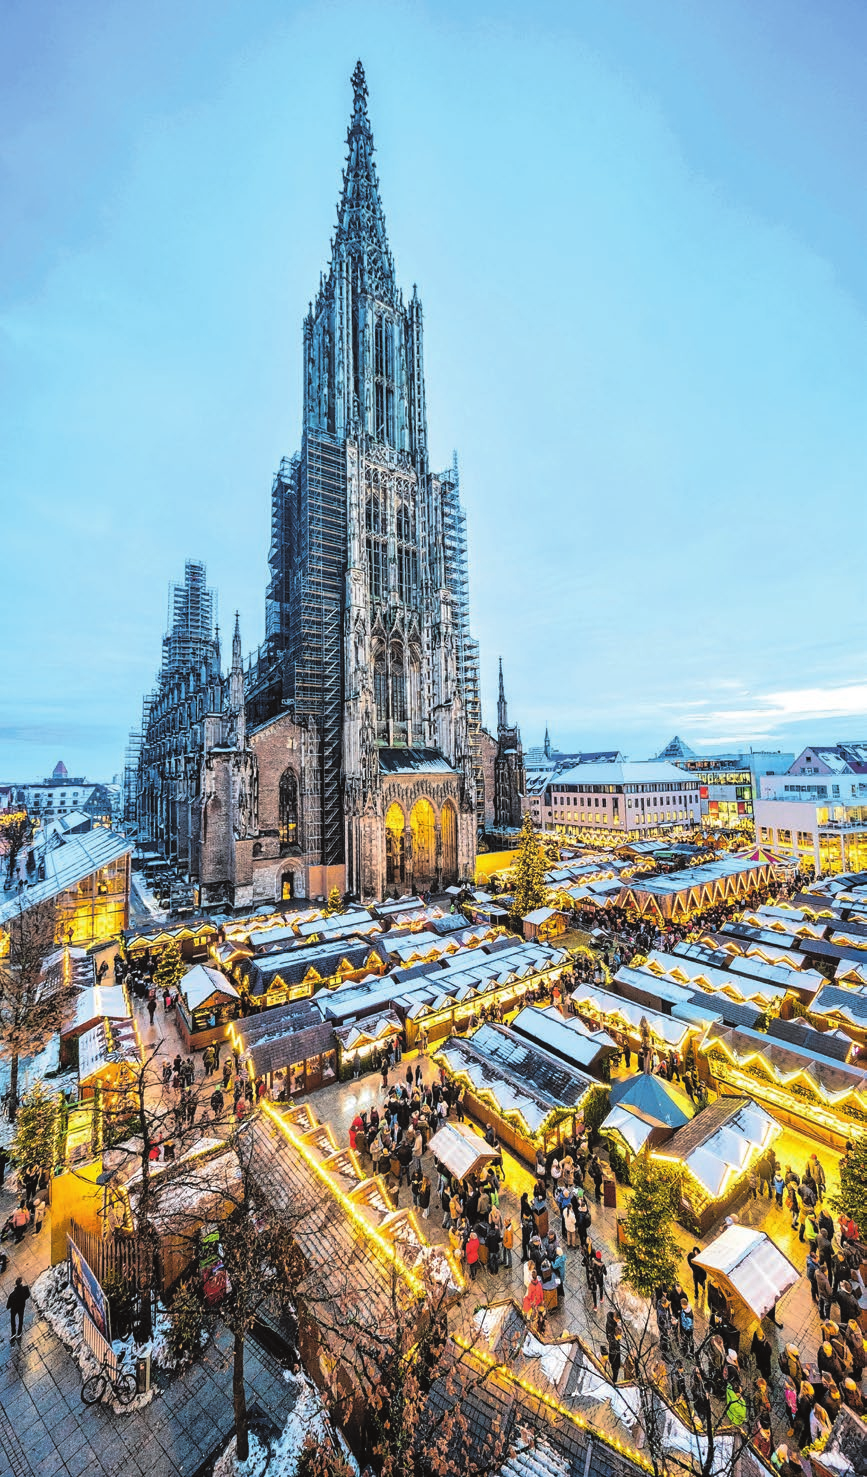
{"points": [[15, 837], [31, 1008], [671, 1380]]}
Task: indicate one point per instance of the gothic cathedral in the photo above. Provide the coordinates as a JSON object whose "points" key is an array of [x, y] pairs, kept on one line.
{"points": [[348, 751]]}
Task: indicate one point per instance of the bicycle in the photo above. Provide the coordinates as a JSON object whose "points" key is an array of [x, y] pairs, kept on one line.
{"points": [[121, 1382]]}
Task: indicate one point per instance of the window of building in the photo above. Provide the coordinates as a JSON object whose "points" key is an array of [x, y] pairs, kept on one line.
{"points": [[784, 837], [288, 810], [377, 546], [407, 557], [805, 839]]}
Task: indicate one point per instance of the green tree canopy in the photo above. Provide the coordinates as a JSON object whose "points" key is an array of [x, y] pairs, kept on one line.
{"points": [[852, 1199], [170, 970], [652, 1253]]}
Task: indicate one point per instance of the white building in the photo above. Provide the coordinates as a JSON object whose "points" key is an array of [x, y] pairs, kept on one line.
{"points": [[618, 801], [817, 814]]}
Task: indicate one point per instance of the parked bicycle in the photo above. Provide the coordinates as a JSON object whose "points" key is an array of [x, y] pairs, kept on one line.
{"points": [[121, 1382]]}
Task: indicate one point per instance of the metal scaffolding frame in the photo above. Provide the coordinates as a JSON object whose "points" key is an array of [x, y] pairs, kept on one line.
{"points": [[458, 582], [190, 626], [314, 665]]}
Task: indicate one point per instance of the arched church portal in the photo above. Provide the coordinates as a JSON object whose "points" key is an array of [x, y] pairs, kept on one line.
{"points": [[449, 822], [424, 858], [395, 847]]}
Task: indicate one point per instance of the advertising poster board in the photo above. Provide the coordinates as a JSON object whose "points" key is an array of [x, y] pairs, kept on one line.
{"points": [[87, 1289]]}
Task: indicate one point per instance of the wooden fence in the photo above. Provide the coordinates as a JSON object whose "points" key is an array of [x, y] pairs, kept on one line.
{"points": [[129, 1258]]}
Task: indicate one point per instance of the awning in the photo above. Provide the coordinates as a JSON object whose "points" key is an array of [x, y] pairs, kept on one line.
{"points": [[750, 1266], [461, 1151]]}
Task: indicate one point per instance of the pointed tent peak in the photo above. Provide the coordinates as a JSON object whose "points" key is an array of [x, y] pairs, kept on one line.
{"points": [[676, 749]]}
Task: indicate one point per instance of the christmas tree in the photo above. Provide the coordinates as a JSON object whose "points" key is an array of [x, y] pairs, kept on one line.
{"points": [[171, 969], [335, 901], [530, 891], [36, 1130], [852, 1199], [652, 1253]]}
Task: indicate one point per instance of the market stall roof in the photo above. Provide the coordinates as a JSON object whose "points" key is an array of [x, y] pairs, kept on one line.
{"points": [[722, 1141], [461, 1150], [634, 1131], [613, 1008], [95, 1003], [653, 1099], [201, 982], [108, 1044], [564, 1036], [541, 915], [750, 1266], [516, 1076], [373, 1028]]}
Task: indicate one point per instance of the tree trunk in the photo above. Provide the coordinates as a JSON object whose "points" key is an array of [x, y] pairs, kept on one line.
{"points": [[13, 1087], [239, 1402]]}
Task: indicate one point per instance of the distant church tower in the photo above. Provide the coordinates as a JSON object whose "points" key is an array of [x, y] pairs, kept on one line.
{"points": [[509, 777], [362, 617]]}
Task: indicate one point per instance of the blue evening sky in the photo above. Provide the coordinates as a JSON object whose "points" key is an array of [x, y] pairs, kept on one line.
{"points": [[638, 232]]}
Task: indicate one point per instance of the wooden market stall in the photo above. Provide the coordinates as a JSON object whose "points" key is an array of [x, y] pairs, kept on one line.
{"points": [[206, 1002]]}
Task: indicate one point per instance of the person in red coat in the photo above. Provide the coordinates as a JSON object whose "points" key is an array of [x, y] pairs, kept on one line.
{"points": [[472, 1254]]}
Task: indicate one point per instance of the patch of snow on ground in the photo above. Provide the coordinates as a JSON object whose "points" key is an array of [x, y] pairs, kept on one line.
{"points": [[308, 1419], [65, 1316]]}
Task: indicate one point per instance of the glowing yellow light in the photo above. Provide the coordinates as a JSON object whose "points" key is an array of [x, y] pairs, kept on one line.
{"points": [[349, 1207]]}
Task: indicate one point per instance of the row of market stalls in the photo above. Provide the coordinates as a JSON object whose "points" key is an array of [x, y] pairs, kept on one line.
{"points": [[358, 1018]]}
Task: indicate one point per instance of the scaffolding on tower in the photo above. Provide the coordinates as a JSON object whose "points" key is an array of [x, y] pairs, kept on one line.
{"points": [[458, 582]]}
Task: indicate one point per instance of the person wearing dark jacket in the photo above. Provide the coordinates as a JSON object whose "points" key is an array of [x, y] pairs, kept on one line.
{"points": [[699, 1275], [16, 1303], [762, 1353]]}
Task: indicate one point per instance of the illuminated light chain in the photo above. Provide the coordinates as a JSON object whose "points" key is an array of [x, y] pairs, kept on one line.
{"points": [[570, 1415], [738, 1063], [361, 1221]]}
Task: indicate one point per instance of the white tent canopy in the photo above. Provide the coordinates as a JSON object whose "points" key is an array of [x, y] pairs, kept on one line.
{"points": [[753, 1268], [461, 1150]]}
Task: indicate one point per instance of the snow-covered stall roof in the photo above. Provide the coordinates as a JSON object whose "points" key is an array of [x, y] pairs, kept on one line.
{"points": [[461, 1150], [751, 1265], [201, 982]]}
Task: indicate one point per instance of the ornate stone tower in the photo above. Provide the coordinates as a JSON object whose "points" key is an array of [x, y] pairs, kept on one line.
{"points": [[361, 611], [509, 777]]}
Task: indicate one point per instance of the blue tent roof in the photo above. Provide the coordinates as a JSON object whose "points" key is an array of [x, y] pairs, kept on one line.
{"points": [[653, 1099]]}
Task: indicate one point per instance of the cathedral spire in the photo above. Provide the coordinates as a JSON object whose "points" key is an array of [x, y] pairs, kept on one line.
{"points": [[361, 235], [236, 687], [547, 743], [502, 712]]}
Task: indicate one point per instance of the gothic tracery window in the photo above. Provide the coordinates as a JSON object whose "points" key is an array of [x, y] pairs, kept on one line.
{"points": [[288, 810], [398, 685], [380, 685], [407, 556], [377, 545], [383, 379]]}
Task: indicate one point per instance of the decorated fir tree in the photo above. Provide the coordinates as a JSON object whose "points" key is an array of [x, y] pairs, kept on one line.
{"points": [[652, 1253], [852, 1199], [170, 970], [530, 891], [36, 1130], [335, 901]]}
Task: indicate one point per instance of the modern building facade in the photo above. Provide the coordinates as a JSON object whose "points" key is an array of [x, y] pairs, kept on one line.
{"points": [[730, 782], [348, 751], [619, 802], [819, 819]]}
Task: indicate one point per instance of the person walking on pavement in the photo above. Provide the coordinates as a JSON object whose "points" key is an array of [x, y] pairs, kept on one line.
{"points": [[152, 1010], [16, 1303]]}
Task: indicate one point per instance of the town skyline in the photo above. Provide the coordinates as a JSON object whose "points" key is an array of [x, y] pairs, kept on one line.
{"points": [[724, 655]]}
